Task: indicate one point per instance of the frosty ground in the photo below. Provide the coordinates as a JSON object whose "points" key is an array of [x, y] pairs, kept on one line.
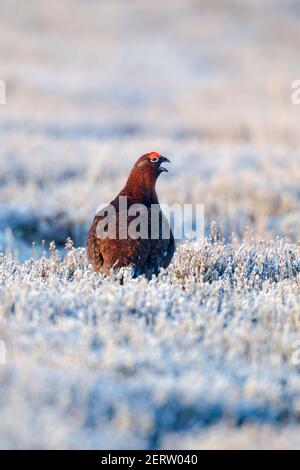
{"points": [[207, 354], [95, 364]]}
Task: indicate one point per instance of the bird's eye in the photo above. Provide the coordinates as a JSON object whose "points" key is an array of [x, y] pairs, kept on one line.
{"points": [[154, 159]]}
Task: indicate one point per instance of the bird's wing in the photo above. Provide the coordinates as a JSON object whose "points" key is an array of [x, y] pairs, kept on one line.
{"points": [[169, 252], [94, 245], [114, 252], [162, 249]]}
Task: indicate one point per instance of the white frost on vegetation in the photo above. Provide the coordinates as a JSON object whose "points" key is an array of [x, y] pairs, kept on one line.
{"points": [[95, 363]]}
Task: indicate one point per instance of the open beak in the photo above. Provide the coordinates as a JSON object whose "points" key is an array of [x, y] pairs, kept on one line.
{"points": [[162, 160]]}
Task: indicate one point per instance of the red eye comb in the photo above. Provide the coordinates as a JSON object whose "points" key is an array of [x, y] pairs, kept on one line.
{"points": [[153, 155]]}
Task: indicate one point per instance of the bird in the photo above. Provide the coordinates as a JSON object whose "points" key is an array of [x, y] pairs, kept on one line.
{"points": [[143, 244]]}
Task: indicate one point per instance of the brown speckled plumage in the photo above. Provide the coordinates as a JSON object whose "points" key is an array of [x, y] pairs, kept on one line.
{"points": [[145, 256]]}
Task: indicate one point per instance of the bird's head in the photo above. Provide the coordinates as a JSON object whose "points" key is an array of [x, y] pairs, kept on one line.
{"points": [[141, 182], [150, 164]]}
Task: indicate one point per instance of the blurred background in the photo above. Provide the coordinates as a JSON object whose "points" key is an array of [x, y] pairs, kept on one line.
{"points": [[91, 85]]}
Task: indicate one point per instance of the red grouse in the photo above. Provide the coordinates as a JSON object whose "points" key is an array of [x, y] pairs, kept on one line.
{"points": [[132, 230]]}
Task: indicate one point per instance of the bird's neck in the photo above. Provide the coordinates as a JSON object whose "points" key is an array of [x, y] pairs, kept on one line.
{"points": [[140, 187]]}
